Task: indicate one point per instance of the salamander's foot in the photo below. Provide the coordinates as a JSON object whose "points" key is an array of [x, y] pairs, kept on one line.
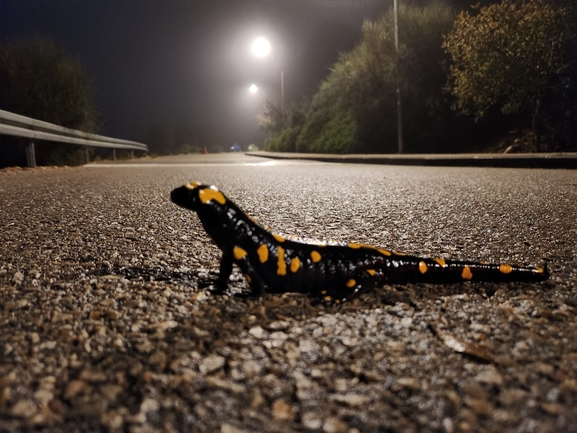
{"points": [[328, 302], [215, 289], [206, 282], [244, 295]]}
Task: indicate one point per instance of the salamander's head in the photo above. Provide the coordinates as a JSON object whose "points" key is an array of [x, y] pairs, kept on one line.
{"points": [[195, 195]]}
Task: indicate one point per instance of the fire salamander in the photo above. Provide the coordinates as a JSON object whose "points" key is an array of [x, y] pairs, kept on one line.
{"points": [[332, 272]]}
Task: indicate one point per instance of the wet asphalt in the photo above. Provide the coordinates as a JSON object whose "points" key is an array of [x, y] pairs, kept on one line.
{"points": [[107, 322]]}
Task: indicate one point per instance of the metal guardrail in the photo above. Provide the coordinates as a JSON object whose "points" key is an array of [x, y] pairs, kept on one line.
{"points": [[22, 126]]}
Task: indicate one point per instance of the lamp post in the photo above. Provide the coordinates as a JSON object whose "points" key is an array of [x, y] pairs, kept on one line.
{"points": [[261, 48], [399, 108]]}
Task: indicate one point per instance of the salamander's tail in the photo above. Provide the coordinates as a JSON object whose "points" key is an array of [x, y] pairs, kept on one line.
{"points": [[449, 271]]}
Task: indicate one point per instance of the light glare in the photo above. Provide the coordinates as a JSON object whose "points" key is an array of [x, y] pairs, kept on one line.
{"points": [[261, 47], [253, 88]]}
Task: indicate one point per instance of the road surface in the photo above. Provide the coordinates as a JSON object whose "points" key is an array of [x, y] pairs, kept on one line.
{"points": [[107, 322]]}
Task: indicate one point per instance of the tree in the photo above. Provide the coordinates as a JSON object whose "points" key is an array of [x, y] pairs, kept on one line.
{"points": [[509, 56], [466, 4], [283, 139], [355, 107], [40, 80], [271, 120]]}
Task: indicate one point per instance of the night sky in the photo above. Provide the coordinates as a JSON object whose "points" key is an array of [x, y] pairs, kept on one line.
{"points": [[179, 63]]}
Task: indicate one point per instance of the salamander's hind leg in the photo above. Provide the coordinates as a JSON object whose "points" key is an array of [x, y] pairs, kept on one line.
{"points": [[362, 280]]}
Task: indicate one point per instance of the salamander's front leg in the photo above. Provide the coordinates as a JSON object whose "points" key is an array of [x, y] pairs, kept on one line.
{"points": [[257, 285], [225, 271]]}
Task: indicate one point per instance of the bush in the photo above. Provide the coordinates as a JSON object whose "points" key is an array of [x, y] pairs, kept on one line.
{"points": [[271, 143], [65, 154], [189, 148], [328, 130], [40, 80]]}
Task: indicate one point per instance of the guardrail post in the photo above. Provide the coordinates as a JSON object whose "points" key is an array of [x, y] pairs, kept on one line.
{"points": [[114, 154], [31, 155], [87, 157], [132, 154]]}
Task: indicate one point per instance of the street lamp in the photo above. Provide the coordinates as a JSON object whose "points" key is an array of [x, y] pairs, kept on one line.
{"points": [[399, 111], [261, 48]]}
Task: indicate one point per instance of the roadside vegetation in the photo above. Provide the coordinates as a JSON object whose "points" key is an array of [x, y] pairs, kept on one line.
{"points": [[513, 59], [182, 140], [481, 79], [41, 80]]}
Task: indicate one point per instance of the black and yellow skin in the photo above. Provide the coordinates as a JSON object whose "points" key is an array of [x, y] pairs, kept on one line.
{"points": [[331, 272]]}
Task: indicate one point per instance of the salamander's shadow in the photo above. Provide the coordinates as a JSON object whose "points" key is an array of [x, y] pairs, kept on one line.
{"points": [[298, 305]]}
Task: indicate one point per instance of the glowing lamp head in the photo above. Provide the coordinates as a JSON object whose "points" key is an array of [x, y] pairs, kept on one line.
{"points": [[261, 47]]}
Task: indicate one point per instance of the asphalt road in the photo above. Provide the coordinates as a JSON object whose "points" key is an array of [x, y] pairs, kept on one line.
{"points": [[107, 322]]}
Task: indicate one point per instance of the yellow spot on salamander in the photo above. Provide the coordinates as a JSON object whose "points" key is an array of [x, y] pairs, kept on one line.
{"points": [[357, 246], [467, 274], [262, 252], [423, 267], [208, 194], [371, 272], [441, 262], [327, 298], [192, 185], [281, 264], [505, 269], [238, 253], [315, 256], [541, 270], [351, 283], [384, 252], [247, 278], [295, 264], [279, 238]]}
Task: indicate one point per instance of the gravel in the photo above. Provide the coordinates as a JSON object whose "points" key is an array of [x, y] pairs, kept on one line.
{"points": [[107, 322]]}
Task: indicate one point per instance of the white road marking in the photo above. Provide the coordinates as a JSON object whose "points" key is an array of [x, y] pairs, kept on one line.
{"points": [[275, 162]]}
